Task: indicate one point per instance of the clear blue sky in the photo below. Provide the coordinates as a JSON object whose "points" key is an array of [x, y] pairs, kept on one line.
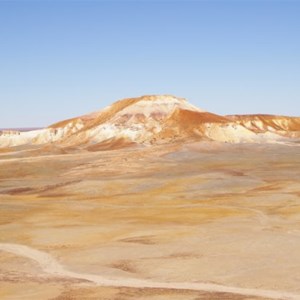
{"points": [[60, 59]]}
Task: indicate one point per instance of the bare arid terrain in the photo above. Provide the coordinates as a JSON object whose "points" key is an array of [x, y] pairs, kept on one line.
{"points": [[193, 221], [151, 199]]}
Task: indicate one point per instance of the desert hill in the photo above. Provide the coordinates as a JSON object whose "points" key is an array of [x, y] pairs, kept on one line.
{"points": [[155, 119], [286, 126]]}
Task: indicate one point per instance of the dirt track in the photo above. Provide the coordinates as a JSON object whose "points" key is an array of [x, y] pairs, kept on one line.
{"points": [[52, 267]]}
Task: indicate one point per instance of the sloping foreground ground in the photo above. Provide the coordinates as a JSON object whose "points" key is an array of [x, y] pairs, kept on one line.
{"points": [[196, 221]]}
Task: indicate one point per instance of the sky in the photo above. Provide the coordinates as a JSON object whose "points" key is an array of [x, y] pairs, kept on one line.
{"points": [[60, 59]]}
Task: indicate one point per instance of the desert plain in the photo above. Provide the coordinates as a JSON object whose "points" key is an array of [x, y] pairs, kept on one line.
{"points": [[188, 221]]}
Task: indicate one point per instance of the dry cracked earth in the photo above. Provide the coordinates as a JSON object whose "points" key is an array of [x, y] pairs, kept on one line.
{"points": [[159, 222]]}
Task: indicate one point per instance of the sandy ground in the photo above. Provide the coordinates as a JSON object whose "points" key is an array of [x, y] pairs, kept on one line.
{"points": [[194, 221]]}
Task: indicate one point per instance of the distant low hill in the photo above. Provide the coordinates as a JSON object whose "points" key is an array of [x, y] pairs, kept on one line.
{"points": [[21, 129]]}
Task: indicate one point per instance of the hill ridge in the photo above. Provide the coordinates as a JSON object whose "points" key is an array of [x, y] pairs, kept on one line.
{"points": [[156, 119]]}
